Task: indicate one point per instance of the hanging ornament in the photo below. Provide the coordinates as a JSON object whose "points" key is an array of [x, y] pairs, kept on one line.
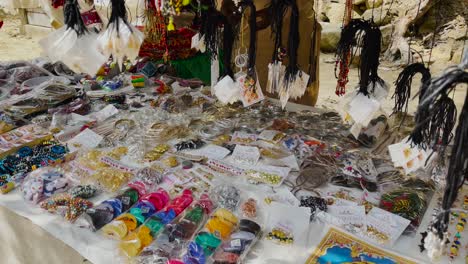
{"points": [[437, 90], [121, 39], [73, 44], [367, 36], [403, 85], [288, 81], [344, 61], [211, 20]]}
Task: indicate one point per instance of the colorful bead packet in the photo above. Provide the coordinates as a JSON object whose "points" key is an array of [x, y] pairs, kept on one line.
{"points": [[128, 222], [103, 213], [176, 235], [239, 244], [44, 183], [142, 237], [66, 205]]}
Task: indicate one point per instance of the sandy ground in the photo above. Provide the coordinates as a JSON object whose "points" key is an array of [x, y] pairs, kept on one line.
{"points": [[13, 45], [19, 238]]}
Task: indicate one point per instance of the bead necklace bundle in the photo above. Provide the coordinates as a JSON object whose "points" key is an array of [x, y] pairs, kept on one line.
{"points": [[156, 30], [431, 108], [211, 20], [344, 62], [365, 35], [288, 81]]}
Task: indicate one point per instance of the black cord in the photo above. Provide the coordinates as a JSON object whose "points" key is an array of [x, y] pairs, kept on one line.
{"points": [[73, 19]]}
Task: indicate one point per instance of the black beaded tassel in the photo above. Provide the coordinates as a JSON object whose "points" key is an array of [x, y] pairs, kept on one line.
{"points": [[367, 36], [73, 19], [403, 85]]}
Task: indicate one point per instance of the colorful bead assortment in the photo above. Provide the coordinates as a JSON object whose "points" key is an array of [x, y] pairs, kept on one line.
{"points": [[70, 207], [460, 227], [280, 235]]}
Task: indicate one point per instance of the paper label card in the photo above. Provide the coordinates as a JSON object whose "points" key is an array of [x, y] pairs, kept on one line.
{"points": [[86, 139], [210, 151], [246, 154], [362, 108], [250, 92]]}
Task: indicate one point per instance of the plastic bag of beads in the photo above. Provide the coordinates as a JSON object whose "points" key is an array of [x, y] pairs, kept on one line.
{"points": [[235, 249], [84, 191], [44, 183], [219, 227], [176, 235], [124, 225], [409, 201], [287, 225], [66, 205], [120, 39], [135, 242], [103, 213], [227, 196]]}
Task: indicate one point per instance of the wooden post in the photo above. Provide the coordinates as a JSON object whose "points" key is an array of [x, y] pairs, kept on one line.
{"points": [[24, 20]]}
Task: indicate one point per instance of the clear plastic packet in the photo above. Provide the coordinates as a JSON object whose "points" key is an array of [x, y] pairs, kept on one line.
{"points": [[176, 235], [133, 244], [84, 56], [12, 182], [219, 227], [44, 183], [69, 207], [409, 201], [103, 213], [236, 248], [79, 53], [123, 226], [287, 225]]}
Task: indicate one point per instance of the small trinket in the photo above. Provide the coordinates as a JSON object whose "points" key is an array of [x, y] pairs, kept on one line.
{"points": [[191, 144], [186, 164], [227, 197], [171, 162], [315, 204], [249, 208], [70, 207], [83, 191], [280, 235]]}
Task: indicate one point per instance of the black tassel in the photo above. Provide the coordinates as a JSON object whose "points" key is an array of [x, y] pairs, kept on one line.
{"points": [[228, 43], [73, 19], [444, 117], [210, 31], [435, 117], [403, 85], [434, 106], [367, 36], [253, 36], [211, 20], [277, 10], [457, 170], [118, 10]]}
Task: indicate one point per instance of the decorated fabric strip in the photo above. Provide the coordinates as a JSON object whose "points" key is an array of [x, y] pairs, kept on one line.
{"points": [[117, 164], [91, 17], [224, 167]]}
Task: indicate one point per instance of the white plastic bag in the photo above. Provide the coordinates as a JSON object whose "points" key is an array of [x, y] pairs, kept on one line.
{"points": [[121, 40]]}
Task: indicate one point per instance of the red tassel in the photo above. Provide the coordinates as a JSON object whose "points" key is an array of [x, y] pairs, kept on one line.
{"points": [[344, 65]]}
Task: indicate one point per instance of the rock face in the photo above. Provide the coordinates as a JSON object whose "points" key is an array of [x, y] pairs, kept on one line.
{"points": [[330, 36], [373, 3], [380, 16], [334, 13], [451, 25]]}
